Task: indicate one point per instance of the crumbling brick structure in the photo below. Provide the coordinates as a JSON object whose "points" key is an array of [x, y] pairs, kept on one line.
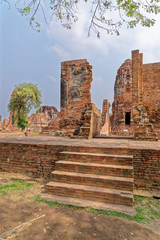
{"points": [[78, 116], [136, 106], [40, 120], [105, 120], [50, 112], [37, 121], [121, 119], [145, 98]]}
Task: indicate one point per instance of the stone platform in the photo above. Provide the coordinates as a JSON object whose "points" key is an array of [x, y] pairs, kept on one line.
{"points": [[95, 142]]}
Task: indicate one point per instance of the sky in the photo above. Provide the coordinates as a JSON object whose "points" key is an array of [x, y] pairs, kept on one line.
{"points": [[29, 56]]}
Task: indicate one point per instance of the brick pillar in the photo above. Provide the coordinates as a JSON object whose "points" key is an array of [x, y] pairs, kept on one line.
{"points": [[136, 77], [105, 125], [143, 129], [140, 81], [105, 111]]}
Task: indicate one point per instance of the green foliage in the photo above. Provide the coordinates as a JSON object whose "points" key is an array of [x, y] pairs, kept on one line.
{"points": [[16, 185], [25, 97], [131, 12], [137, 10], [22, 122]]}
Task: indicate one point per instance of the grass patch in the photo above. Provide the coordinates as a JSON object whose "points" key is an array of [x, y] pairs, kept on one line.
{"points": [[50, 203], [145, 211], [35, 134], [16, 185]]}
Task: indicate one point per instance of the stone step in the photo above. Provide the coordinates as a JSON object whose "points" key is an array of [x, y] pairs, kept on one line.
{"points": [[87, 203], [120, 183], [95, 168], [102, 150], [91, 193], [97, 158]]}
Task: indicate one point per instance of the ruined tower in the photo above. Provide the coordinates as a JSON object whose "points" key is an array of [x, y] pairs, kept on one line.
{"points": [[121, 119]]}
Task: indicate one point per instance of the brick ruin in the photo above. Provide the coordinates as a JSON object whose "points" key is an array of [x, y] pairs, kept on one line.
{"points": [[145, 98], [105, 119], [121, 119], [135, 110], [36, 121], [50, 112], [42, 118], [136, 106], [78, 116]]}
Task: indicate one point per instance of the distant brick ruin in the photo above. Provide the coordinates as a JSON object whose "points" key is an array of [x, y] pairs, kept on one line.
{"points": [[105, 119], [39, 120], [50, 112], [78, 116]]}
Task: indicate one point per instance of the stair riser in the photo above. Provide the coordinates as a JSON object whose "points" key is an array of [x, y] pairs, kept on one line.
{"points": [[100, 196], [116, 172], [117, 151], [119, 185], [96, 159]]}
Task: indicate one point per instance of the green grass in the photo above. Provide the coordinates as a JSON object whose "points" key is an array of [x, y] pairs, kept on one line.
{"points": [[145, 211], [35, 134], [50, 203], [16, 185]]}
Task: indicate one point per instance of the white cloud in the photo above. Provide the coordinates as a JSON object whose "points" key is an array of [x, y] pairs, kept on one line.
{"points": [[51, 77], [75, 42], [60, 51], [98, 79]]}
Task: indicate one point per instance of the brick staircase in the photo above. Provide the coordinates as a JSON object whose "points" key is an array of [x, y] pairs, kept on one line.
{"points": [[95, 175]]}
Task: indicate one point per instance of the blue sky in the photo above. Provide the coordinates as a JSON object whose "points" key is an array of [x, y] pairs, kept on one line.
{"points": [[28, 56]]}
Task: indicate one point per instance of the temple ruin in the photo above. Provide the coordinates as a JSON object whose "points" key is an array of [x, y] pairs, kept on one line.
{"points": [[136, 106], [101, 171], [78, 116], [121, 119], [135, 109]]}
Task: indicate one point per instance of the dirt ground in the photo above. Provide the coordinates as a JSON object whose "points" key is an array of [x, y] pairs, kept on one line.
{"points": [[21, 218]]}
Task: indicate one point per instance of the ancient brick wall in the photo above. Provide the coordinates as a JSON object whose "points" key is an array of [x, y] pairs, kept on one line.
{"points": [[151, 93], [146, 170], [34, 160], [145, 98], [95, 121], [50, 112], [37, 121], [76, 78], [38, 161], [121, 119]]}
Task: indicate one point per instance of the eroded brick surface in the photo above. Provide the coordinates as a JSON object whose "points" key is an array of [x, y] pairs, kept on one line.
{"points": [[122, 104], [50, 112], [146, 98], [77, 111], [105, 121]]}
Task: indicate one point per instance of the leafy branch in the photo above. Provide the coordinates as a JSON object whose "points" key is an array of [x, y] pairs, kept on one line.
{"points": [[129, 12]]}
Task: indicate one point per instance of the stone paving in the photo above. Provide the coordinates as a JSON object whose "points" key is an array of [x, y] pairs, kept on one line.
{"points": [[95, 142]]}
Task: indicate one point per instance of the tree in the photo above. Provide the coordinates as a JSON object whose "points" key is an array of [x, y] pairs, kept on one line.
{"points": [[25, 97], [130, 12]]}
